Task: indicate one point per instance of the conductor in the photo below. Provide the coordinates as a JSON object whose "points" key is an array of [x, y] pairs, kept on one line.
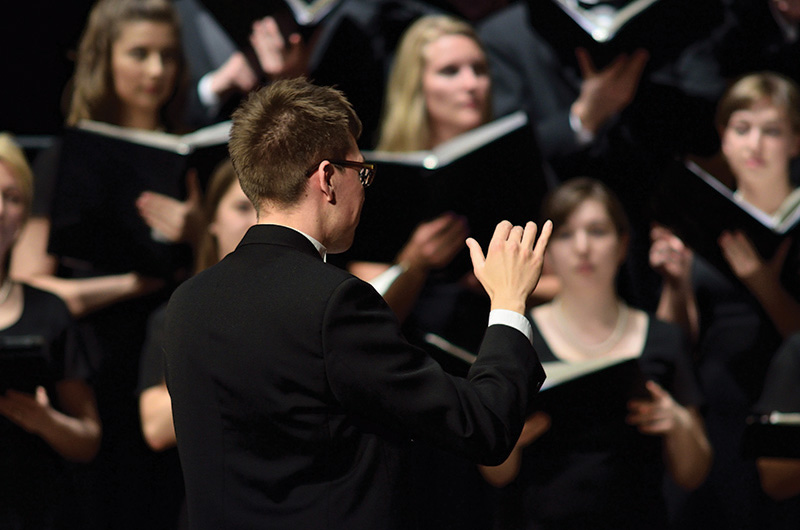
{"points": [[294, 392]]}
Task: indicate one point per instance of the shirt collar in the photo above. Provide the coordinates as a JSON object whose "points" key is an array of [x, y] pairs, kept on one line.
{"points": [[323, 252]]}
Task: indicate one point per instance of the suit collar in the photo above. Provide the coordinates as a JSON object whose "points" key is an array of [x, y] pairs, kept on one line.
{"points": [[279, 235]]}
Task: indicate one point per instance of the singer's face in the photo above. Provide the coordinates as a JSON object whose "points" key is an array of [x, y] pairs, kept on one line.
{"points": [[144, 65], [587, 249], [455, 84], [759, 142], [12, 208], [235, 214]]}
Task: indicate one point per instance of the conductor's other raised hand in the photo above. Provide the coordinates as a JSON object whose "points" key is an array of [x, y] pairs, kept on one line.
{"points": [[512, 266]]}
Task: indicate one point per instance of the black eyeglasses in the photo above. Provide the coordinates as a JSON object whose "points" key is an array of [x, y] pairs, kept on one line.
{"points": [[366, 170]]}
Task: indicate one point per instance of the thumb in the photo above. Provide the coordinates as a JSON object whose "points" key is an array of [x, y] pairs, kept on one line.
{"points": [[585, 63], [41, 396], [656, 392]]}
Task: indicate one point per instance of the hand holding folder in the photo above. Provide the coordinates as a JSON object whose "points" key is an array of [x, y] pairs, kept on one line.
{"points": [[104, 169], [703, 212], [172, 219], [23, 363], [590, 400], [486, 175]]}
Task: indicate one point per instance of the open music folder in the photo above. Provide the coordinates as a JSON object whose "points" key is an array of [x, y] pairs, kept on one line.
{"points": [[489, 174], [603, 19], [103, 169], [23, 363], [587, 395], [697, 207]]}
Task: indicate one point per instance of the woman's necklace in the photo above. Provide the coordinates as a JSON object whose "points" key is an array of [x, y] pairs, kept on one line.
{"points": [[567, 331], [5, 290]]}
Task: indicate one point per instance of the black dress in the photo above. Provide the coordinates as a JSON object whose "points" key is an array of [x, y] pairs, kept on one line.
{"points": [[34, 484], [581, 475], [737, 341], [167, 495], [782, 393], [119, 481]]}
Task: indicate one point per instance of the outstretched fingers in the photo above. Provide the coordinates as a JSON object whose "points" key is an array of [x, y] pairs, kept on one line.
{"points": [[502, 231], [476, 253], [544, 239]]}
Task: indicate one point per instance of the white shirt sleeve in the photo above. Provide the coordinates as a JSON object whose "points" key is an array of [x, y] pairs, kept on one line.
{"points": [[582, 135], [207, 96], [516, 320], [384, 280]]}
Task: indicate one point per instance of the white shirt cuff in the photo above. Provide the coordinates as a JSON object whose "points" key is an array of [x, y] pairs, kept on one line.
{"points": [[207, 96], [516, 320], [384, 280], [582, 136]]}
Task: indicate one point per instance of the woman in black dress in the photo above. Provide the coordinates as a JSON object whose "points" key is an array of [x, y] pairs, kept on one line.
{"points": [[129, 72], [736, 326], [592, 466], [48, 414]]}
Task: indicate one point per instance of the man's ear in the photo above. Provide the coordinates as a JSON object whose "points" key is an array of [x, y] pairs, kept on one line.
{"points": [[322, 180]]}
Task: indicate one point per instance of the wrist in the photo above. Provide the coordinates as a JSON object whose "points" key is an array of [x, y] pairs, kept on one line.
{"points": [[412, 263], [760, 282], [583, 135], [508, 304], [207, 90], [678, 284], [581, 120], [682, 420], [49, 417]]}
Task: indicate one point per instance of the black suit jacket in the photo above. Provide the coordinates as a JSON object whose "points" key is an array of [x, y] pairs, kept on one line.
{"points": [[294, 393]]}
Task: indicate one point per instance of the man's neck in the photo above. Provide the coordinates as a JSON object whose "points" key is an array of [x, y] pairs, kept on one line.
{"points": [[299, 219]]}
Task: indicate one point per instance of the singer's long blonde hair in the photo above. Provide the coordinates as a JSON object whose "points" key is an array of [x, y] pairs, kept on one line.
{"points": [[405, 126]]}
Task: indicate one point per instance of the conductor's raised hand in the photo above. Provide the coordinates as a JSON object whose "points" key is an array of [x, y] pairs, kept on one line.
{"points": [[512, 266]]}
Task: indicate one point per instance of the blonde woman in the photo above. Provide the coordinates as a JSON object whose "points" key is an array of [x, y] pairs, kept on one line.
{"points": [[54, 418], [439, 85], [129, 72]]}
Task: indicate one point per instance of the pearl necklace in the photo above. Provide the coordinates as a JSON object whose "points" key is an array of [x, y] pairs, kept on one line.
{"points": [[5, 290], [592, 349]]}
